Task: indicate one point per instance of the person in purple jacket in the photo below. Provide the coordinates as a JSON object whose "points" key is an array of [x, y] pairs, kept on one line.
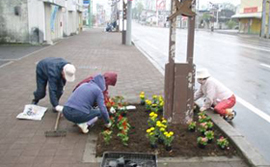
{"points": [[79, 107]]}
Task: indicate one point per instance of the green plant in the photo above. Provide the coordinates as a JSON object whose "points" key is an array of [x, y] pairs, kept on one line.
{"points": [[148, 104], [201, 113], [124, 137], [202, 127], [161, 128], [168, 138], [209, 135], [142, 97], [202, 141], [107, 135], [160, 103], [152, 119], [192, 125], [222, 142], [203, 118], [209, 124], [151, 135], [123, 124]]}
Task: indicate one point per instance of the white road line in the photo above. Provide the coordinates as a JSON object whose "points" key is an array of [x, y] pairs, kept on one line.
{"points": [[253, 109], [6, 64], [265, 65]]}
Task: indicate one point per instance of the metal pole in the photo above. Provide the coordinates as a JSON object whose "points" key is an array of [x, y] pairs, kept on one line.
{"points": [[263, 18], [217, 19], [124, 12], [268, 34], [129, 20]]}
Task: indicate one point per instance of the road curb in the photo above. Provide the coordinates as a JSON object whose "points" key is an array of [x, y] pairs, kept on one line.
{"points": [[248, 152]]}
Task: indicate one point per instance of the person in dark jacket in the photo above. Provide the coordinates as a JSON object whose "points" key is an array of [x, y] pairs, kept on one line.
{"points": [[55, 71], [110, 79], [79, 107]]}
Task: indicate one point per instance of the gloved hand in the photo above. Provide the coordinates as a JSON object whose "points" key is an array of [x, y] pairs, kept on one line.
{"points": [[59, 108], [203, 109], [112, 110], [108, 125]]}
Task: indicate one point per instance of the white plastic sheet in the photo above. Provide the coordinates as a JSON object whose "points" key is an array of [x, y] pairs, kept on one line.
{"points": [[32, 112]]}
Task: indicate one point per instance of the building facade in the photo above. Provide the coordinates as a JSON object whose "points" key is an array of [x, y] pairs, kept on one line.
{"points": [[250, 16], [39, 21]]}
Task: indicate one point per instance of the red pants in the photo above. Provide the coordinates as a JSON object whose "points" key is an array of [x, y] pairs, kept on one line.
{"points": [[225, 104]]}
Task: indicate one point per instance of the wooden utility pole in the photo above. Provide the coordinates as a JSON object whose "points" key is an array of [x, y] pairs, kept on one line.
{"points": [[179, 77]]}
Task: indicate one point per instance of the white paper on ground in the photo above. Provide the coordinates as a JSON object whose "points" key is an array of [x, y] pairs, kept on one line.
{"points": [[32, 112], [131, 107]]}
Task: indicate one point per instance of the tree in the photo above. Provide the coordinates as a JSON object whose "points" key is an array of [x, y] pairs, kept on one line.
{"points": [[139, 9], [231, 24], [206, 17]]}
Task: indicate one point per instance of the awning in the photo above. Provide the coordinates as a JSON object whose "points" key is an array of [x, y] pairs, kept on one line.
{"points": [[247, 15]]}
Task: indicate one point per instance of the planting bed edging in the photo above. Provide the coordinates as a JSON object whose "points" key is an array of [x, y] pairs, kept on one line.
{"points": [[249, 153]]}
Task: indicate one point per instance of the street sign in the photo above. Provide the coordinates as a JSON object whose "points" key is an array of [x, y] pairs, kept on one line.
{"points": [[86, 2]]}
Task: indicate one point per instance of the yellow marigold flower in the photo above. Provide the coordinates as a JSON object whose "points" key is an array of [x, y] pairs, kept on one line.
{"points": [[162, 129], [171, 133], [142, 93], [148, 130], [151, 134], [165, 133], [141, 96], [148, 102], [154, 96], [152, 128], [164, 121], [154, 105], [151, 114]]}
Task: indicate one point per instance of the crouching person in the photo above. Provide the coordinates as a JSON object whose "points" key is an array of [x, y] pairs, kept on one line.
{"points": [[79, 107], [215, 94]]}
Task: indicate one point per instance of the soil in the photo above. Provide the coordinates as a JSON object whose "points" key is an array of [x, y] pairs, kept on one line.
{"points": [[184, 144]]}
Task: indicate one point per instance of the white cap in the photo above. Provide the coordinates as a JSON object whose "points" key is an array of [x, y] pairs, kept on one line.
{"points": [[69, 72], [202, 73]]}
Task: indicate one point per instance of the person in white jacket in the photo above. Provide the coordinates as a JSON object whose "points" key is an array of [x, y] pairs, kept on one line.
{"points": [[216, 95]]}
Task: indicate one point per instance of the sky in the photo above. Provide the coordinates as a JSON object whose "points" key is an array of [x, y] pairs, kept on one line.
{"points": [[205, 2], [201, 2]]}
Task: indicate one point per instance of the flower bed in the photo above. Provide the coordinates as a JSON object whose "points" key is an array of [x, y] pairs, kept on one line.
{"points": [[184, 143]]}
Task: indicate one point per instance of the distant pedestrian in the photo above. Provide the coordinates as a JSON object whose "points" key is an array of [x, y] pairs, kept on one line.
{"points": [[55, 72], [80, 106], [215, 94], [110, 79]]}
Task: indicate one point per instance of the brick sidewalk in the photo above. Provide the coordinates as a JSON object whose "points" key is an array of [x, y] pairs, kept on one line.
{"points": [[22, 143]]}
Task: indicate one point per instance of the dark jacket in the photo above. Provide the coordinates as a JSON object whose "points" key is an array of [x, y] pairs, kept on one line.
{"points": [[50, 69], [85, 96]]}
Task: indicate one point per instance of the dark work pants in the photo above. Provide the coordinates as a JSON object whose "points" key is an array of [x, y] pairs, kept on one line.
{"points": [[40, 92], [77, 116]]}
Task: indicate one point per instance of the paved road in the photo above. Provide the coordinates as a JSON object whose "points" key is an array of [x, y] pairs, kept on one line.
{"points": [[241, 62]]}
